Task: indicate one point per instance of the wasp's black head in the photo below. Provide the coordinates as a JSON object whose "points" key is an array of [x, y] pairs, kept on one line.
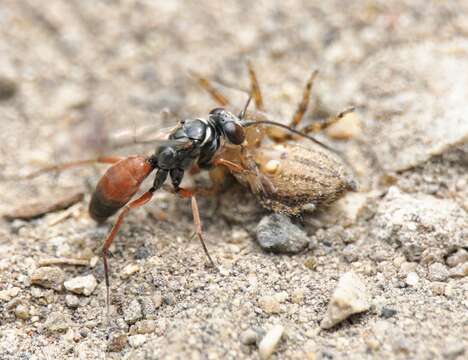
{"points": [[229, 125]]}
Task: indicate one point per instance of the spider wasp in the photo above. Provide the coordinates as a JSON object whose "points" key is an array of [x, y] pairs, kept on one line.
{"points": [[285, 174]]}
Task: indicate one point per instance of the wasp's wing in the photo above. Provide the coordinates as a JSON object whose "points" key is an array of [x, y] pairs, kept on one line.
{"points": [[144, 135]]}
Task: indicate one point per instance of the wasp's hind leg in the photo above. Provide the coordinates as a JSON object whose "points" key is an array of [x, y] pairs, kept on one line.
{"points": [[67, 165]]}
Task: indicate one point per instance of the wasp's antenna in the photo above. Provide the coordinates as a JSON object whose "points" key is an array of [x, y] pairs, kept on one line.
{"points": [[244, 110], [273, 123]]}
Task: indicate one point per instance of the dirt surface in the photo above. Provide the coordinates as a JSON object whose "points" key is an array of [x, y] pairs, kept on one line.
{"points": [[74, 72]]}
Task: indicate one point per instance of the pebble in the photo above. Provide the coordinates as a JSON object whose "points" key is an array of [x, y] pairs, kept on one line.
{"points": [[453, 348], [248, 337], [457, 258], [117, 342], [133, 312], [271, 304], [459, 271], [8, 294], [419, 223], [157, 300], [136, 340], [49, 277], [57, 322], [438, 288], [129, 270], [437, 272], [143, 327], [81, 285], [22, 312], [8, 88], [72, 301], [276, 233], [297, 296], [350, 297], [387, 313], [412, 279], [270, 341], [148, 308]]}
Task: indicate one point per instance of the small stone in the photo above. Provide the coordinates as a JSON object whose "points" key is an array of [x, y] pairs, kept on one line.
{"points": [[157, 300], [147, 307], [311, 263], [297, 296], [8, 294], [387, 313], [248, 337], [57, 322], [133, 312], [350, 297], [372, 343], [438, 288], [22, 312], [268, 344], [129, 270], [437, 272], [93, 261], [81, 285], [271, 304], [117, 342], [459, 271], [169, 299], [143, 327], [8, 88], [412, 279], [72, 301], [136, 340], [453, 348], [418, 223], [457, 258], [276, 233], [49, 277]]}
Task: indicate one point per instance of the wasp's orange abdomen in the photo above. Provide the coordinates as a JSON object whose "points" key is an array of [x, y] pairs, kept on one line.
{"points": [[117, 186]]}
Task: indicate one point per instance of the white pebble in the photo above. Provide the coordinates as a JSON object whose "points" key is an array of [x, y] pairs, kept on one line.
{"points": [[350, 297], [412, 279], [269, 342], [136, 340], [81, 285]]}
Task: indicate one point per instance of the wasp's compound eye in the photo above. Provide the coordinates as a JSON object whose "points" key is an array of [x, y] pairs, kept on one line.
{"points": [[234, 132]]}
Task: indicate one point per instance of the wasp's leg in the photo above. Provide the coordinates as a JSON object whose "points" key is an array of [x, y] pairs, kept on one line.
{"points": [[142, 200], [215, 94], [68, 165], [188, 193]]}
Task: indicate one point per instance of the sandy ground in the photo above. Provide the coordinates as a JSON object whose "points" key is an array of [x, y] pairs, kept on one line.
{"points": [[73, 72]]}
